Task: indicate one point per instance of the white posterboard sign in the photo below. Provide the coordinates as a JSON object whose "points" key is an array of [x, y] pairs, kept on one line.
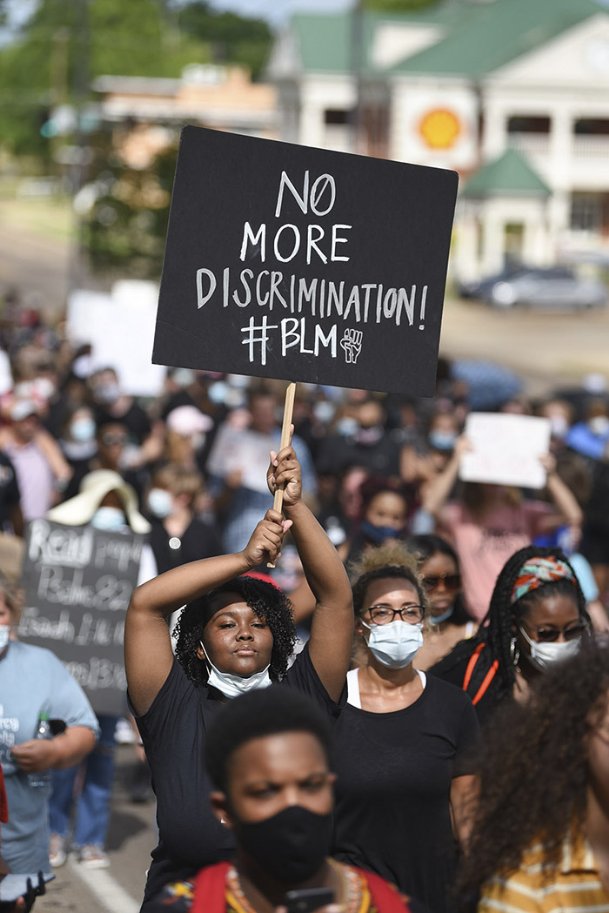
{"points": [[120, 328], [506, 449]]}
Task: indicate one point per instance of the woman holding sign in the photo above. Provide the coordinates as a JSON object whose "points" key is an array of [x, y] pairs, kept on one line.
{"points": [[236, 634], [490, 522]]}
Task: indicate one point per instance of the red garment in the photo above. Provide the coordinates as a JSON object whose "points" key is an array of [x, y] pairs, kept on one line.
{"points": [[210, 889]]}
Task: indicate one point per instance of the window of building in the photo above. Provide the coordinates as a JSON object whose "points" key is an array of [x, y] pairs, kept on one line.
{"points": [[520, 123], [591, 126], [586, 212], [337, 118]]}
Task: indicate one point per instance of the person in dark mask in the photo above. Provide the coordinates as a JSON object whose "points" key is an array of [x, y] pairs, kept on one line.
{"points": [[384, 515], [405, 748], [268, 757]]}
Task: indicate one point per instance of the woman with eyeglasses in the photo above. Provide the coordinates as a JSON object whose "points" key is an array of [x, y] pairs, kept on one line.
{"points": [[537, 617], [448, 621], [405, 743]]}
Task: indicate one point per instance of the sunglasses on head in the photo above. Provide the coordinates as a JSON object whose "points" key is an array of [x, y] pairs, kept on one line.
{"points": [[450, 581]]}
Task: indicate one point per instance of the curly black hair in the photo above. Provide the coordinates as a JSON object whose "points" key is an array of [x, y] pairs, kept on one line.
{"points": [[266, 600], [534, 774], [497, 627], [424, 547]]}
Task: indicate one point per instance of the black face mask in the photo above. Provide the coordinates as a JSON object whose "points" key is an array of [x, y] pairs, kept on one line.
{"points": [[289, 846]]}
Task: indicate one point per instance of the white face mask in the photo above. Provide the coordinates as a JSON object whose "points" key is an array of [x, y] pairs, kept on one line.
{"points": [[5, 633], [233, 685], [545, 655], [395, 645], [160, 502], [82, 430], [109, 519]]}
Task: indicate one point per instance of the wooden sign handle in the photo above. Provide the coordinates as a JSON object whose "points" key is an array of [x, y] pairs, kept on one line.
{"points": [[288, 410]]}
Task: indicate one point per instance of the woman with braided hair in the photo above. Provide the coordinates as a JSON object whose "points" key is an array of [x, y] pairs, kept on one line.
{"points": [[540, 839], [537, 617]]}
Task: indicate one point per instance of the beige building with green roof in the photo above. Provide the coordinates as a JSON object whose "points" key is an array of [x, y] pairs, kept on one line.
{"points": [[458, 85]]}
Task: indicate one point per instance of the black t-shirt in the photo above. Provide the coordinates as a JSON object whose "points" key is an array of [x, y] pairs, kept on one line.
{"points": [[173, 732], [394, 772], [453, 668], [199, 540], [9, 490]]}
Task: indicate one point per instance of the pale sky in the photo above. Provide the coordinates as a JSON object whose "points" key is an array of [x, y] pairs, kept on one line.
{"points": [[277, 11]]}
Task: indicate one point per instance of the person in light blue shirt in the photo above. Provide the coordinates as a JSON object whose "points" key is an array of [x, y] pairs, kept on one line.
{"points": [[34, 684]]}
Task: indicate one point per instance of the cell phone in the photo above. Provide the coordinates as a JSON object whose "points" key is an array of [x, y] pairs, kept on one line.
{"points": [[308, 900]]}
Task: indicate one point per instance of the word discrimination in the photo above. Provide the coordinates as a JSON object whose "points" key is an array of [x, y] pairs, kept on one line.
{"points": [[368, 302]]}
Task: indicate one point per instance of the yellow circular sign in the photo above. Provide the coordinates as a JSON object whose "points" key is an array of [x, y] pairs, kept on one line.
{"points": [[440, 128]]}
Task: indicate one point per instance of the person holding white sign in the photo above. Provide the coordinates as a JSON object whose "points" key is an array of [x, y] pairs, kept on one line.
{"points": [[236, 634], [492, 521]]}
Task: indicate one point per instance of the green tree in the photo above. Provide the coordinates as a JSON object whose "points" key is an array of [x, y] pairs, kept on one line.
{"points": [[123, 232], [397, 6], [65, 44], [232, 38]]}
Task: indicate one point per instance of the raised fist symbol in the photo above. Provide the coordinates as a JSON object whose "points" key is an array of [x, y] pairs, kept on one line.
{"points": [[351, 343]]}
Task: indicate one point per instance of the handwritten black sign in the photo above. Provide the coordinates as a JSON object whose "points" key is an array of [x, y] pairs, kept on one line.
{"points": [[78, 582], [297, 263]]}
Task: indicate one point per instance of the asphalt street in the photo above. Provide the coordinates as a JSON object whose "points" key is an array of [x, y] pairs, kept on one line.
{"points": [[132, 836]]}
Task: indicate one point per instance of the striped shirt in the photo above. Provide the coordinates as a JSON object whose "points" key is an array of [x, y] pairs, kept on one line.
{"points": [[575, 886]]}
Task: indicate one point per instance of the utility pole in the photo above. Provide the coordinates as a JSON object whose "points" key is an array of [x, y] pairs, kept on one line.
{"points": [[357, 65]]}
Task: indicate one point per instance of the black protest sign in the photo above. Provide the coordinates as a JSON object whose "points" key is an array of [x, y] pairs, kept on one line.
{"points": [[297, 263], [78, 582]]}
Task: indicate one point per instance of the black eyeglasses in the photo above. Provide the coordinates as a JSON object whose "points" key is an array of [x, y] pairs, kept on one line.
{"points": [[450, 581], [384, 614], [546, 635]]}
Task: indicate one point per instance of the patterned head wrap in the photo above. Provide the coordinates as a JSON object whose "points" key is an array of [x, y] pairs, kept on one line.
{"points": [[539, 571]]}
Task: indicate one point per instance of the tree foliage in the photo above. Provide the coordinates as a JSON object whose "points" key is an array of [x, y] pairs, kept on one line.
{"points": [[65, 44], [397, 6], [123, 231], [233, 38]]}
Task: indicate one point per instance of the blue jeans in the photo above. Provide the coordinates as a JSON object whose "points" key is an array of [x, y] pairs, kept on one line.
{"points": [[88, 795]]}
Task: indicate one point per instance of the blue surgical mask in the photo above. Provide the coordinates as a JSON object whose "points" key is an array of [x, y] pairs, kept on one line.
{"points": [[379, 534], [438, 619], [395, 645], [82, 430], [108, 519], [160, 502], [442, 440]]}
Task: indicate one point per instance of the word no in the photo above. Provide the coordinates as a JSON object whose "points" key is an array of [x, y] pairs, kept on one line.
{"points": [[289, 239]]}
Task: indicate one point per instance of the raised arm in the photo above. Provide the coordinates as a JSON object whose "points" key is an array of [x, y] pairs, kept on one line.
{"points": [[438, 489], [564, 499], [332, 624], [148, 654]]}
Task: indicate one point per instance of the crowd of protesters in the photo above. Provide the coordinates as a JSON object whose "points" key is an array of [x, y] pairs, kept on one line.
{"points": [[462, 597]]}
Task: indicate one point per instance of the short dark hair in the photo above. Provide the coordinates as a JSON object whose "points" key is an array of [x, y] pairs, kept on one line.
{"points": [[266, 712], [267, 601]]}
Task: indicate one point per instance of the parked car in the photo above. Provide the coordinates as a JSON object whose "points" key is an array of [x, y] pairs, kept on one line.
{"points": [[558, 288], [480, 289]]}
